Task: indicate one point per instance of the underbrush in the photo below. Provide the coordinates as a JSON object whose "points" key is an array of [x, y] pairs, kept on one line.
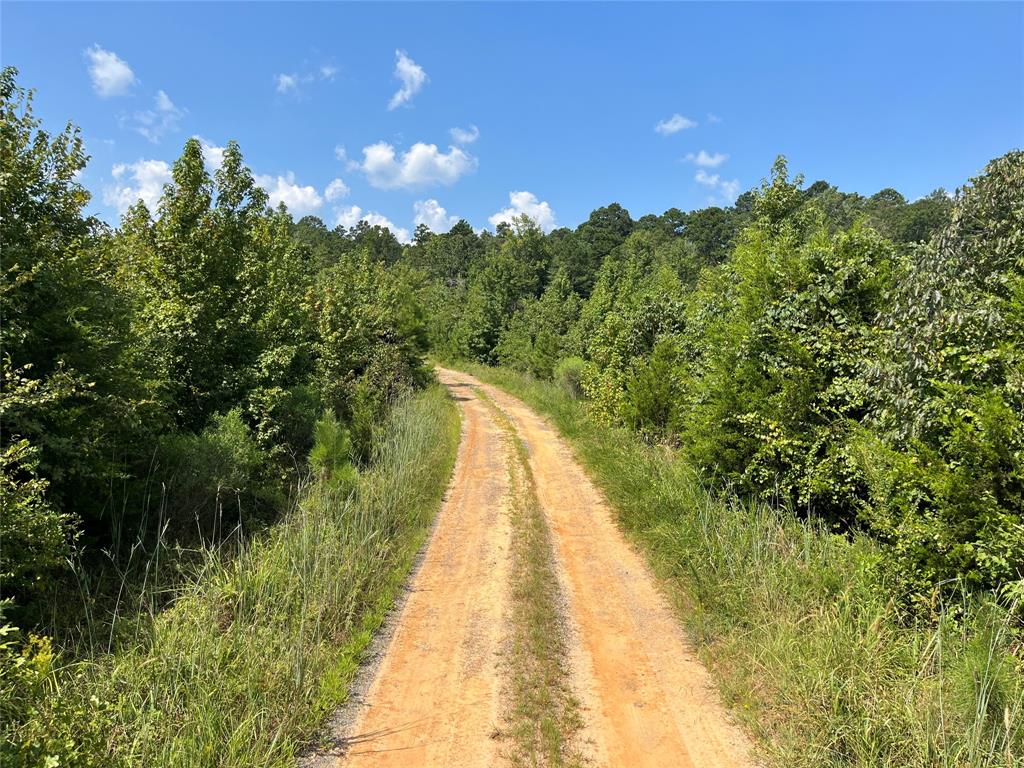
{"points": [[259, 642], [801, 632]]}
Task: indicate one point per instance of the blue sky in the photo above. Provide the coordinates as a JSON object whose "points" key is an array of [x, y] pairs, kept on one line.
{"points": [[559, 108]]}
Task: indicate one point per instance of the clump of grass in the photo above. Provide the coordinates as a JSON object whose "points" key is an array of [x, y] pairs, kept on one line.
{"points": [[262, 642], [543, 716], [804, 640]]}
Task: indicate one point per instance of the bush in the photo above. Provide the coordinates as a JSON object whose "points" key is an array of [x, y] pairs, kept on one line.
{"points": [[331, 456], [221, 470], [653, 391], [569, 376], [35, 538], [947, 482]]}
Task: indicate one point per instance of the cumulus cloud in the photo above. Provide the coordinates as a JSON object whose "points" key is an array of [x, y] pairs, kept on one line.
{"points": [[340, 153], [674, 124], [300, 200], [705, 160], [336, 190], [286, 83], [713, 119], [412, 77], [528, 204], [110, 74], [327, 72], [728, 189], [142, 180], [353, 214], [162, 118], [422, 165], [465, 135], [433, 214]]}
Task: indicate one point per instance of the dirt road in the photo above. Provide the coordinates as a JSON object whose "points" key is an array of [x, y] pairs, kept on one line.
{"points": [[436, 699]]}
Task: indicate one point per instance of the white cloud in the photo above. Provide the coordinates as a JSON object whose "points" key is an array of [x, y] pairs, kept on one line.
{"points": [[144, 179], [465, 135], [674, 124], [526, 203], [422, 165], [706, 160], [713, 119], [111, 75], [431, 213], [163, 118], [283, 189], [336, 190], [286, 83], [340, 153], [729, 190], [412, 78], [353, 214], [327, 72], [213, 156]]}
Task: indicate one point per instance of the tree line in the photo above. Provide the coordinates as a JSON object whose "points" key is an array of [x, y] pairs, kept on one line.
{"points": [[856, 359], [162, 380]]}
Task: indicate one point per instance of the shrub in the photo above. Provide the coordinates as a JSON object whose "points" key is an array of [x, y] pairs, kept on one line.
{"points": [[219, 470], [653, 391], [35, 537], [569, 376], [947, 483], [331, 455]]}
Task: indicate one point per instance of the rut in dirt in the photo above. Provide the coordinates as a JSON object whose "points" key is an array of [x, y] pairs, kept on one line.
{"points": [[441, 695]]}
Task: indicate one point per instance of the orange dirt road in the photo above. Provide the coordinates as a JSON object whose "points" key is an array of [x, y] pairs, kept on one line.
{"points": [[436, 699]]}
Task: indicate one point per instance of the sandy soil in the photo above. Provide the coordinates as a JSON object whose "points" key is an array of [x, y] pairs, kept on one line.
{"points": [[436, 698], [648, 699]]}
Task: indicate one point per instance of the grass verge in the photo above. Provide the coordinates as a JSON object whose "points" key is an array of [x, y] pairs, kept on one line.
{"points": [[790, 618], [261, 645], [543, 716]]}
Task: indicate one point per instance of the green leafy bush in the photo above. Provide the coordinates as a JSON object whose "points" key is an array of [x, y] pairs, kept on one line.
{"points": [[217, 479], [948, 472], [569, 376]]}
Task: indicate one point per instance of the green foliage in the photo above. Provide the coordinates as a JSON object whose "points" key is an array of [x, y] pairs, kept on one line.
{"points": [[948, 476], [569, 375], [781, 382], [814, 656], [806, 346], [331, 456], [217, 479], [43, 727], [36, 536], [535, 337], [260, 644], [163, 379], [66, 383]]}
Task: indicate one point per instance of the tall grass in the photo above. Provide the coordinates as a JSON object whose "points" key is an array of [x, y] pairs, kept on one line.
{"points": [[805, 642], [262, 641]]}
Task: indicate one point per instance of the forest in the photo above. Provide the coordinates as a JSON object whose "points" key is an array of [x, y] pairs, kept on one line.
{"points": [[190, 396]]}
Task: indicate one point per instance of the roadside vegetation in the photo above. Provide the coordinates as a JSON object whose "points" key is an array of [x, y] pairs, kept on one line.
{"points": [[219, 455], [263, 637], [807, 408], [219, 445], [812, 654]]}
